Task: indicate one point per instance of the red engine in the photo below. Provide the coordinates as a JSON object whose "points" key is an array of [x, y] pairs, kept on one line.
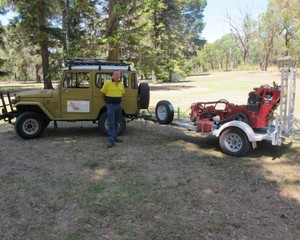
{"points": [[259, 111]]}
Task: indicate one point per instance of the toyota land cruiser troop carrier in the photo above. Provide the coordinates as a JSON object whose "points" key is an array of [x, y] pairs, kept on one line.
{"points": [[77, 98]]}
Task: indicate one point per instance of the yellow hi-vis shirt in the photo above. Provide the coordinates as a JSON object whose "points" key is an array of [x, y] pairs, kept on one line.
{"points": [[111, 89]]}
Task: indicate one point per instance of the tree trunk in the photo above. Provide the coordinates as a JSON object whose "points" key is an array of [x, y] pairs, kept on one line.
{"points": [[42, 21], [269, 49], [155, 43], [113, 53], [246, 56], [45, 65], [287, 41], [66, 25], [37, 75], [266, 59], [112, 29]]}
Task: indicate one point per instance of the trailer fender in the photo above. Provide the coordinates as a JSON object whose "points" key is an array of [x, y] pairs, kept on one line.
{"points": [[41, 106], [251, 135]]}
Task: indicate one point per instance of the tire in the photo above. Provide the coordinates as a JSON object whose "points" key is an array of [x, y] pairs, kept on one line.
{"points": [[241, 117], [46, 122], [234, 141], [164, 112], [103, 125], [144, 94], [29, 125]]}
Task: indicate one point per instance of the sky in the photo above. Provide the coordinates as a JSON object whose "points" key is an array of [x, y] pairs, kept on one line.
{"points": [[4, 18], [215, 15], [216, 11]]}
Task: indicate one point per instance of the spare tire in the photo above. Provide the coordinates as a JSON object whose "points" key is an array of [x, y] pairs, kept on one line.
{"points": [[164, 112], [144, 95]]}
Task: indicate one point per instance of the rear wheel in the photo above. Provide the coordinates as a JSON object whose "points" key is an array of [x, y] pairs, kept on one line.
{"points": [[234, 142], [103, 124], [164, 112], [29, 125]]}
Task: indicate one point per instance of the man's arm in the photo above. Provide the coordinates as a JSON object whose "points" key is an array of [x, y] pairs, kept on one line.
{"points": [[102, 95]]}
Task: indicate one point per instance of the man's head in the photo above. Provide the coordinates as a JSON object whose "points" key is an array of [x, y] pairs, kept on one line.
{"points": [[116, 75]]}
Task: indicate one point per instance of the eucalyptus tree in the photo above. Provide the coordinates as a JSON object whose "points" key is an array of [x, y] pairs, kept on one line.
{"points": [[227, 53], [243, 31], [208, 57], [268, 33], [287, 15]]}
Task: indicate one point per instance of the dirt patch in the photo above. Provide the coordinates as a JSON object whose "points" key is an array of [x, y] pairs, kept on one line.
{"points": [[163, 182]]}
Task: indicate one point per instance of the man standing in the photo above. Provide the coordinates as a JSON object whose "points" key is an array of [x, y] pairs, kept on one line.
{"points": [[111, 93]]}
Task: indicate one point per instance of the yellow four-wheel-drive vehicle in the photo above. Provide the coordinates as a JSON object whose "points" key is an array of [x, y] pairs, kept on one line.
{"points": [[77, 98]]}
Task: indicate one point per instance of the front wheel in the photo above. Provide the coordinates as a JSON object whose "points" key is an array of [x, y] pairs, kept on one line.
{"points": [[234, 142], [103, 124], [29, 125], [164, 112]]}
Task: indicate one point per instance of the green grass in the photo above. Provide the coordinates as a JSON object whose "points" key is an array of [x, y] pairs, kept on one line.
{"points": [[162, 183]]}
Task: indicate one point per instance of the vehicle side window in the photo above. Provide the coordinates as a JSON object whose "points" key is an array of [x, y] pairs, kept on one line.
{"points": [[83, 80], [70, 80], [125, 80], [77, 80], [101, 78], [134, 82]]}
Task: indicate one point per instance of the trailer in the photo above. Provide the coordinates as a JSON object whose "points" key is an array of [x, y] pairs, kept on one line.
{"points": [[268, 115]]}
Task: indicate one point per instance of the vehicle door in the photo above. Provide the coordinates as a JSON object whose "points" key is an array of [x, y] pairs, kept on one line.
{"points": [[76, 96], [130, 99]]}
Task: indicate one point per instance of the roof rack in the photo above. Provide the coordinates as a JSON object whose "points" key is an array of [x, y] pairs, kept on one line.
{"points": [[94, 61]]}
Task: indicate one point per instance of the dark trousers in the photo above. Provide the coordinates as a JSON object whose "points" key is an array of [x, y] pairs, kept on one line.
{"points": [[114, 112]]}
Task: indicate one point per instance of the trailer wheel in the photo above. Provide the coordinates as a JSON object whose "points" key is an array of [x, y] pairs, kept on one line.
{"points": [[234, 142], [29, 125], [103, 124], [164, 112]]}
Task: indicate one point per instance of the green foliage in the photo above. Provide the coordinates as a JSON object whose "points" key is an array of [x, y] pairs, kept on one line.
{"points": [[258, 44], [229, 56], [159, 37], [207, 58], [193, 14]]}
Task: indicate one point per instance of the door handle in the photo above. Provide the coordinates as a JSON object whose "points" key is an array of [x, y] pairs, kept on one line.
{"points": [[87, 98]]}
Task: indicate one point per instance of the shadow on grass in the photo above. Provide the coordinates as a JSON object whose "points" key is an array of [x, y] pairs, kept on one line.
{"points": [[162, 183]]}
